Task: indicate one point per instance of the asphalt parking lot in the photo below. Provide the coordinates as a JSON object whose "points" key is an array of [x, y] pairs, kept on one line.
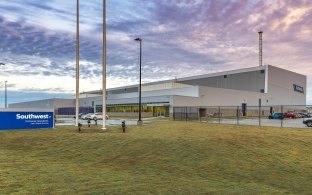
{"points": [[295, 123]]}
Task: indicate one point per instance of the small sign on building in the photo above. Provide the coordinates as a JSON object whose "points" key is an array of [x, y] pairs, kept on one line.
{"points": [[298, 88], [26, 119]]}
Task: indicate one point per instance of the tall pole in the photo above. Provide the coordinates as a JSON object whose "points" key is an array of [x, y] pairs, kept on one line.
{"points": [[104, 67], [140, 85], [140, 95], [260, 48], [5, 94], [5, 88], [77, 64]]}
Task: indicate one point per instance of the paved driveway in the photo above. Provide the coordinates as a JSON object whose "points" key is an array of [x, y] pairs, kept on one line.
{"points": [[296, 123]]}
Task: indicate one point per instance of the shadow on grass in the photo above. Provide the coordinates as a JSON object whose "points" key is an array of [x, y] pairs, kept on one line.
{"points": [[98, 129], [92, 130]]}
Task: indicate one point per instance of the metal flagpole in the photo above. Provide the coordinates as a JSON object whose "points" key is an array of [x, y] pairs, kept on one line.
{"points": [[6, 94], [77, 65], [104, 67]]}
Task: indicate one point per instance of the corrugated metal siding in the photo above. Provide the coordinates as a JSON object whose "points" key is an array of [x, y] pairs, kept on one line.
{"points": [[248, 81]]}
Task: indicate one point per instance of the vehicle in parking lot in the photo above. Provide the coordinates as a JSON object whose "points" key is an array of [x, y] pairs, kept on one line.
{"points": [[96, 116], [307, 121], [290, 115], [304, 115], [86, 116], [80, 114], [277, 115]]}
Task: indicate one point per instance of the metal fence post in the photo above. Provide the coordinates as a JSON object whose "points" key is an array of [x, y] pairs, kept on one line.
{"points": [[282, 116], [260, 112], [208, 115], [219, 110], [186, 114], [174, 113], [237, 114]]}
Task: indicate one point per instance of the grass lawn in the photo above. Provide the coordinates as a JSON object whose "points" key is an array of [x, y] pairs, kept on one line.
{"points": [[162, 158]]}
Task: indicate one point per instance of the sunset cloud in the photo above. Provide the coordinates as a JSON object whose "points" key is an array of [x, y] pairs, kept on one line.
{"points": [[38, 40]]}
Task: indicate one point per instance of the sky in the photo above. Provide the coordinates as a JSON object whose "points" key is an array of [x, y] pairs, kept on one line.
{"points": [[180, 38]]}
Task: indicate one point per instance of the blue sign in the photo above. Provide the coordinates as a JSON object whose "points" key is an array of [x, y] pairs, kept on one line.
{"points": [[298, 88], [25, 120]]}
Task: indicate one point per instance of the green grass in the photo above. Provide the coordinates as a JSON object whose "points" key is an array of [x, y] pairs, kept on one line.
{"points": [[159, 158]]}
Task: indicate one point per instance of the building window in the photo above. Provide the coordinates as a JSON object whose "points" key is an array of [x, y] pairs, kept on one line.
{"points": [[225, 76], [262, 71], [262, 90]]}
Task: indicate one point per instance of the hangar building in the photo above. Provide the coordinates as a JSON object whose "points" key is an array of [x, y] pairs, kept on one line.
{"points": [[273, 85]]}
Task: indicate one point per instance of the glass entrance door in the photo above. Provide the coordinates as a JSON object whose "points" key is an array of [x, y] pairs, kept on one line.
{"points": [[161, 111]]}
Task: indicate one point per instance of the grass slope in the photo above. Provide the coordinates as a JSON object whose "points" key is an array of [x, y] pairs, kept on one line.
{"points": [[163, 158]]}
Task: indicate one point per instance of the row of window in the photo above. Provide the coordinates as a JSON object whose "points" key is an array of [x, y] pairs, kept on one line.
{"points": [[154, 109]]}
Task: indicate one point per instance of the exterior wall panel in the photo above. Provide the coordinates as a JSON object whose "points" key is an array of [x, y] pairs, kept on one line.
{"points": [[281, 86], [211, 96], [45, 104], [248, 81]]}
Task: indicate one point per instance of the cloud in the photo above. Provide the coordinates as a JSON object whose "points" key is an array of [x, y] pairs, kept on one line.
{"points": [[178, 36]]}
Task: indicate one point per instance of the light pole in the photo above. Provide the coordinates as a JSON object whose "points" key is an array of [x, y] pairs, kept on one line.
{"points": [[77, 64], [5, 94], [140, 86], [104, 67]]}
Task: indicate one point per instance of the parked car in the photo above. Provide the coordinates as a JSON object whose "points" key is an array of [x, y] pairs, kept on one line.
{"points": [[290, 115], [97, 116], [304, 115], [300, 115], [277, 115], [86, 116], [80, 114], [307, 121]]}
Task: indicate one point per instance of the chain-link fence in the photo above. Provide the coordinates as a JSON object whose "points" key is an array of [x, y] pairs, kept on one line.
{"points": [[278, 116]]}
